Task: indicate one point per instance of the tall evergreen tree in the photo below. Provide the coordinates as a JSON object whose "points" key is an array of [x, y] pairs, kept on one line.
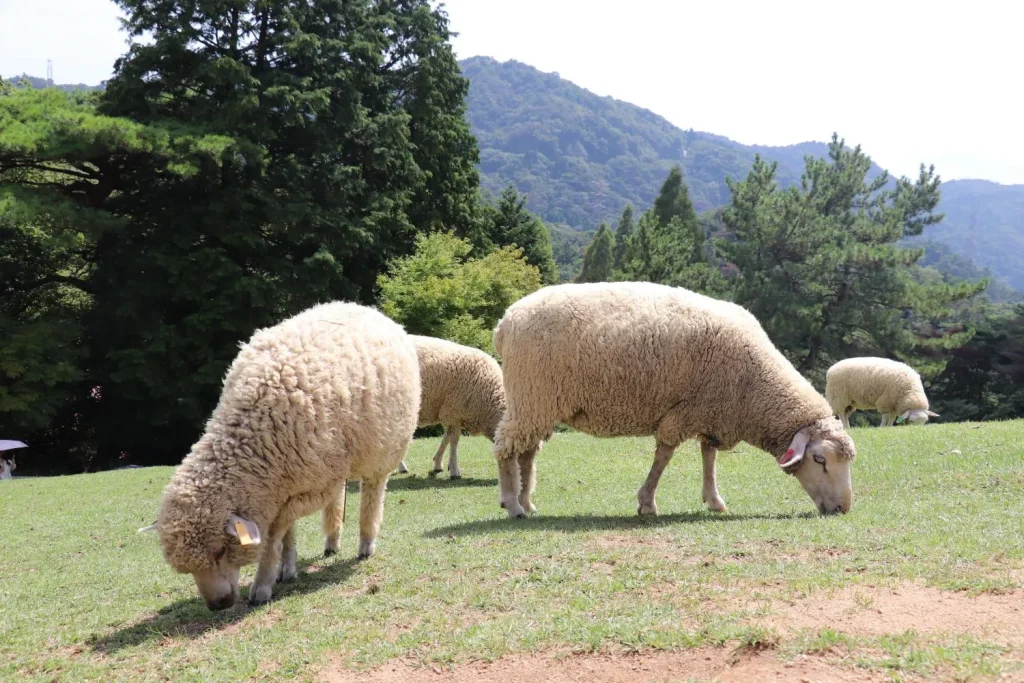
{"points": [[344, 136], [623, 233], [820, 266], [597, 260], [510, 222], [673, 202]]}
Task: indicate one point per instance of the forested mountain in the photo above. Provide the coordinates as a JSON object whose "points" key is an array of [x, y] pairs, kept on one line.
{"points": [[579, 158], [984, 224]]}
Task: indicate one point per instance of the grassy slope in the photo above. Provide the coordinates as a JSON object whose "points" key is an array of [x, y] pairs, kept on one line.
{"points": [[84, 596]]}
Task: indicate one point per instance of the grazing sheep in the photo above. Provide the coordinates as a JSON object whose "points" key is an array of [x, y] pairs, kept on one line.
{"points": [[328, 395], [638, 359], [461, 391], [892, 388]]}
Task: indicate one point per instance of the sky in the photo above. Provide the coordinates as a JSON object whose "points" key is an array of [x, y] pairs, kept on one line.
{"points": [[911, 81]]}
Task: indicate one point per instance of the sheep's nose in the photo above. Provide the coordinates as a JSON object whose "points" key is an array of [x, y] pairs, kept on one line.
{"points": [[222, 603]]}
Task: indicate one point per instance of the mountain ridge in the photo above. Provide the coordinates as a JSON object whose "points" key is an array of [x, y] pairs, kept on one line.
{"points": [[579, 158]]}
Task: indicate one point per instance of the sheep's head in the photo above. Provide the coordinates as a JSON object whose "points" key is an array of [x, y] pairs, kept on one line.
{"points": [[820, 456], [208, 541], [916, 417]]}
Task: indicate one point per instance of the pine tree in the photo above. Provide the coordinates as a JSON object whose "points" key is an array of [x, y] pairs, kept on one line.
{"points": [[673, 201], [597, 260], [511, 223], [821, 268], [623, 233], [343, 137]]}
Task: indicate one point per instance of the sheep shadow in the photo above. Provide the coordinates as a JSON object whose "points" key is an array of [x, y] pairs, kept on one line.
{"points": [[584, 523], [191, 619], [406, 482]]}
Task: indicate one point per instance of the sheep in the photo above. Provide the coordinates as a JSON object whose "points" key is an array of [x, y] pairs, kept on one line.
{"points": [[892, 388], [7, 466], [644, 359], [328, 395], [461, 390]]}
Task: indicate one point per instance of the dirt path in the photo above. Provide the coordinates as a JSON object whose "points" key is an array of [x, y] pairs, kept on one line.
{"points": [[860, 611]]}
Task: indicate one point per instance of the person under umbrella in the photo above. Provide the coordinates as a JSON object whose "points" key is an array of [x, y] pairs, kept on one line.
{"points": [[7, 463]]}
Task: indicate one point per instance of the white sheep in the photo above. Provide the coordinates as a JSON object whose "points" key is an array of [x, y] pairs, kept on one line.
{"points": [[642, 359], [892, 388], [461, 390], [328, 395]]}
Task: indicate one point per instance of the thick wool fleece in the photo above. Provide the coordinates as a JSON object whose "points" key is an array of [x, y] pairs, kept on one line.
{"points": [[638, 359], [461, 386], [328, 395], [868, 383]]}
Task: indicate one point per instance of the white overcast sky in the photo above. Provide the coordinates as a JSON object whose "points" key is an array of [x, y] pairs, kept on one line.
{"points": [[910, 80]]}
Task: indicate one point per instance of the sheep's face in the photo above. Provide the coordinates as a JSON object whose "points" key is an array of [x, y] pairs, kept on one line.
{"points": [[918, 417], [218, 585], [821, 463], [825, 476], [210, 545]]}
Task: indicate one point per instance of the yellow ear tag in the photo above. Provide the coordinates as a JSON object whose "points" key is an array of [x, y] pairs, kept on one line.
{"points": [[243, 534]]}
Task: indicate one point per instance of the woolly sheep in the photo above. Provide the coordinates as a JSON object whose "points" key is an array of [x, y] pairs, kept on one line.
{"points": [[892, 388], [328, 395], [642, 359], [461, 390]]}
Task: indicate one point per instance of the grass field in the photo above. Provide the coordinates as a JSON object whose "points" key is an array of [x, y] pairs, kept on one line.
{"points": [[922, 579]]}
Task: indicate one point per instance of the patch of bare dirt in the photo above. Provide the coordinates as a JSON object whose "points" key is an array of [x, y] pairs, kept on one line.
{"points": [[874, 611], [704, 664]]}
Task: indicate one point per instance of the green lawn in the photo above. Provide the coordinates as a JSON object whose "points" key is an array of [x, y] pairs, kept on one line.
{"points": [[942, 506]]}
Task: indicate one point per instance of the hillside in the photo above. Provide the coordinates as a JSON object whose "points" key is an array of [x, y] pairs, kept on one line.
{"points": [[580, 157], [985, 224]]}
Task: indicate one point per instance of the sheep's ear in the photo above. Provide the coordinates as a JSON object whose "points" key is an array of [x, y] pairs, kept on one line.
{"points": [[931, 414], [243, 529], [795, 452], [151, 527]]}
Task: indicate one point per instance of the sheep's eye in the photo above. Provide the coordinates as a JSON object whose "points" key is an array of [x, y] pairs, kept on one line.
{"points": [[819, 458], [219, 555]]}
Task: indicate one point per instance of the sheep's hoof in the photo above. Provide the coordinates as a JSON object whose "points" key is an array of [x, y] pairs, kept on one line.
{"points": [[455, 475], [436, 470], [328, 552], [717, 505], [647, 510], [259, 596], [366, 550]]}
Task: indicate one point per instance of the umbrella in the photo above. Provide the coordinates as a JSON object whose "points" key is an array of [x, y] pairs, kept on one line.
{"points": [[7, 463]]}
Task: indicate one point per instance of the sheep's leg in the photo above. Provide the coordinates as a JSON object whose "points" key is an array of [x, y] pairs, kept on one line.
{"points": [[508, 486], [402, 467], [266, 572], [710, 487], [453, 461], [333, 514], [517, 436], [289, 557], [439, 455], [885, 420], [528, 479], [645, 496], [845, 418], [371, 512]]}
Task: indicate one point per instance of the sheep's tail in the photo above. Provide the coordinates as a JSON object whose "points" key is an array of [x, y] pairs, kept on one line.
{"points": [[499, 336]]}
